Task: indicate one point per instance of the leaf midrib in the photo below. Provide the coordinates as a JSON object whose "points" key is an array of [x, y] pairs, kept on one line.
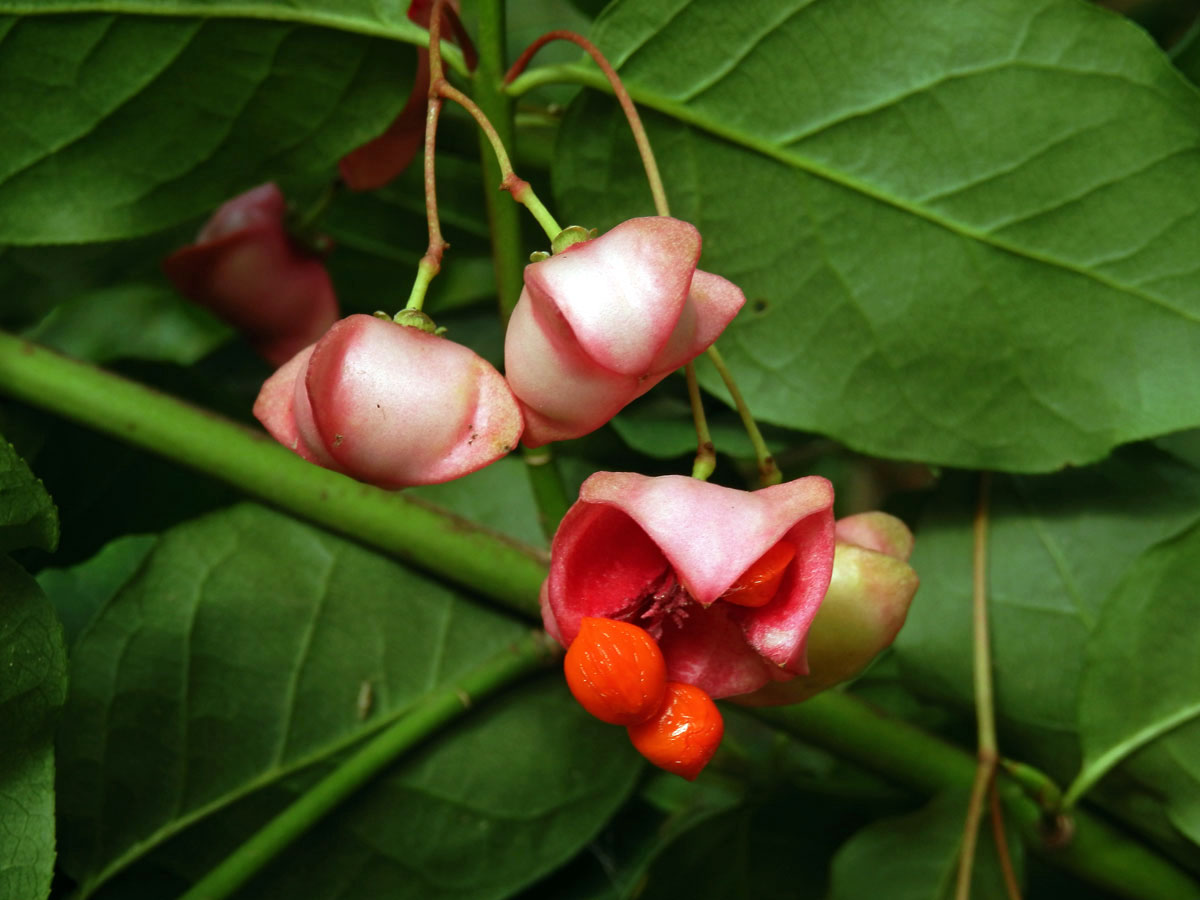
{"points": [[588, 77]]}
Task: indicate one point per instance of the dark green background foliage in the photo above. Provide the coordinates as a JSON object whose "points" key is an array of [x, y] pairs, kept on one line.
{"points": [[967, 234]]}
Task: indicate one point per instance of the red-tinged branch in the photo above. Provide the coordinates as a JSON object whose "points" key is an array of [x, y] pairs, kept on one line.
{"points": [[622, 95], [439, 87]]}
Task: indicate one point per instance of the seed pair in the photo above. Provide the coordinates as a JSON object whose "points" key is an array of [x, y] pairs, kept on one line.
{"points": [[617, 673]]}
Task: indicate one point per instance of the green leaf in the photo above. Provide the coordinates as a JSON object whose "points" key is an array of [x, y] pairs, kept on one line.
{"points": [[1057, 546], [27, 514], [34, 683], [96, 326], [1140, 693], [360, 16], [937, 268], [178, 114], [661, 426], [915, 857], [78, 592], [487, 808], [498, 496], [248, 649]]}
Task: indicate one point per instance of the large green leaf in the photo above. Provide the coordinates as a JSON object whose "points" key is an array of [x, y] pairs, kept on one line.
{"points": [[966, 231], [78, 592], [915, 857], [487, 808], [1139, 699], [27, 514], [361, 16], [33, 683], [249, 647], [1057, 546], [175, 115]]}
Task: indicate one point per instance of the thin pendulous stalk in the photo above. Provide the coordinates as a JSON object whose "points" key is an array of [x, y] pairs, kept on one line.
{"points": [[985, 715], [627, 105]]}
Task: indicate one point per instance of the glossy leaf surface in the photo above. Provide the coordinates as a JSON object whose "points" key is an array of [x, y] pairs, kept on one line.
{"points": [[179, 114], [937, 268]]}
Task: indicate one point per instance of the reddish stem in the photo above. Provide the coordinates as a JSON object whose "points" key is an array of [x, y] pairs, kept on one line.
{"points": [[437, 244], [1001, 839], [622, 95], [440, 88]]}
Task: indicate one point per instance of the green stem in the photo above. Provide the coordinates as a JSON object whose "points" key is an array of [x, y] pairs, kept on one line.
{"points": [[508, 255], [1096, 852], [706, 454], [523, 194], [549, 490], [426, 717], [427, 268], [768, 471], [503, 218], [985, 714], [434, 539]]}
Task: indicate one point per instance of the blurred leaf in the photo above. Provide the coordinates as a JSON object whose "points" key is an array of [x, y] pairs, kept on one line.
{"points": [[34, 683], [106, 489], [498, 496], [131, 321], [249, 647], [661, 426], [35, 279], [28, 517], [936, 267], [381, 235], [777, 845], [1140, 691], [1057, 546], [78, 593], [915, 857], [177, 114]]}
